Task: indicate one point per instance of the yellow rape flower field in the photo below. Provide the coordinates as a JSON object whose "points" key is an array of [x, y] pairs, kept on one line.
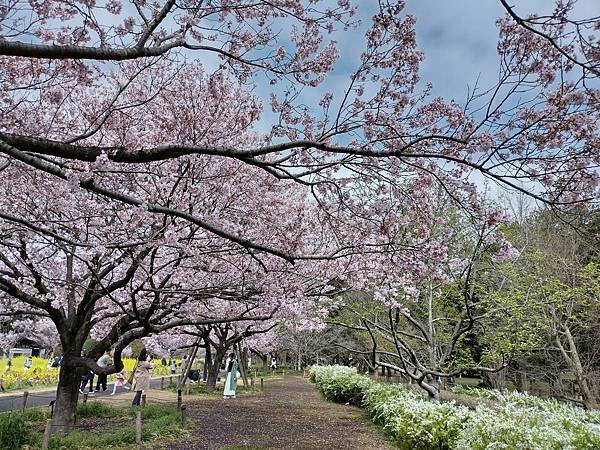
{"points": [[40, 376]]}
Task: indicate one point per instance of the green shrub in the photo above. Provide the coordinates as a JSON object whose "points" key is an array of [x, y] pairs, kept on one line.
{"points": [[99, 409], [14, 432], [35, 414], [413, 421], [156, 411], [341, 384]]}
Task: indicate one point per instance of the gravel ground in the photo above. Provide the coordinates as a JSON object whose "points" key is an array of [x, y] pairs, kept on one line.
{"points": [[290, 415]]}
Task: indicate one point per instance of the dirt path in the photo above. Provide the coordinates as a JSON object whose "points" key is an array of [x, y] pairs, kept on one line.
{"points": [[291, 415]]}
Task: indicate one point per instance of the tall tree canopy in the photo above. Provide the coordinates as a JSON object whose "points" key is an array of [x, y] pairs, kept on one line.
{"points": [[143, 187]]}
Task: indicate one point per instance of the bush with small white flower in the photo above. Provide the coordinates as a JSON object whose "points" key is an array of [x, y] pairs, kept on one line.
{"points": [[413, 422]]}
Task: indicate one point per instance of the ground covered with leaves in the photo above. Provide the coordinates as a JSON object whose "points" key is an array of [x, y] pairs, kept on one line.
{"points": [[288, 414], [291, 414]]}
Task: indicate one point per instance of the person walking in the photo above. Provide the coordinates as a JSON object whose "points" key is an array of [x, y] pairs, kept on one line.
{"points": [[120, 382], [141, 376], [27, 364], [103, 362], [231, 367], [87, 378]]}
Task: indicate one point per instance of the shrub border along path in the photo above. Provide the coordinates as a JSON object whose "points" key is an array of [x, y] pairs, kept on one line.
{"points": [[518, 421]]}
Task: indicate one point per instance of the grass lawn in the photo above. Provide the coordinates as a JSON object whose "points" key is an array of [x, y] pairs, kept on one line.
{"points": [[100, 426]]}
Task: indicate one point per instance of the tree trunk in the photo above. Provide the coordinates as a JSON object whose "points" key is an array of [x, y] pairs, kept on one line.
{"points": [[207, 362], [523, 381], [186, 370], [67, 394], [589, 400], [243, 363], [432, 388], [213, 369]]}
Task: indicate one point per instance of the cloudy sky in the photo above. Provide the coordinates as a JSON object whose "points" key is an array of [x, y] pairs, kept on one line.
{"points": [[458, 38]]}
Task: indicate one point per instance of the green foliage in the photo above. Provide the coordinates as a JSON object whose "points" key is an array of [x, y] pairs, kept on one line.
{"points": [[99, 409], [15, 432], [412, 421], [156, 411], [158, 422], [18, 429], [35, 414]]}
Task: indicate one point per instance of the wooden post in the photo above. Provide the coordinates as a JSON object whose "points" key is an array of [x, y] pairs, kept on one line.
{"points": [[252, 381], [143, 400], [261, 384], [85, 397], [171, 379], [24, 404], [162, 383], [138, 427], [183, 414], [47, 434], [179, 399]]}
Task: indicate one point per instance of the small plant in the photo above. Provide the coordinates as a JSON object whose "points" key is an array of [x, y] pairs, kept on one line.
{"points": [[99, 409], [14, 432]]}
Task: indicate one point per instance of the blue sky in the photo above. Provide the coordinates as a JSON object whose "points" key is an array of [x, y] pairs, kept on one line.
{"points": [[458, 38]]}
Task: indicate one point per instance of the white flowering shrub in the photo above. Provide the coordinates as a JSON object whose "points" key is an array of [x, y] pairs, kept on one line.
{"points": [[519, 422], [529, 422], [413, 421], [340, 384], [515, 427]]}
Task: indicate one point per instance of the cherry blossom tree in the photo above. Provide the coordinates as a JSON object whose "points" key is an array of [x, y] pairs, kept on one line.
{"points": [[41, 331], [534, 125], [118, 272], [137, 194], [422, 325]]}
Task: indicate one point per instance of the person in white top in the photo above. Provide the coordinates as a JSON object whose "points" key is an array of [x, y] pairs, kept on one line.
{"points": [[103, 362]]}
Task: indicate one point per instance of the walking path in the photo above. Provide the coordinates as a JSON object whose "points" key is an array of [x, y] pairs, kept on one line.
{"points": [[290, 415], [10, 401]]}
